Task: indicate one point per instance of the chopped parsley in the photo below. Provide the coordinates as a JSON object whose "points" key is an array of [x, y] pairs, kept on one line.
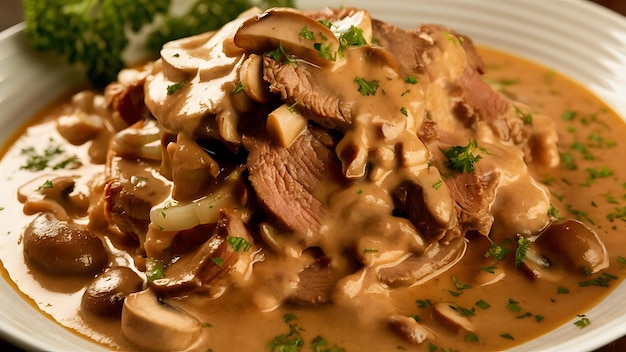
{"points": [[424, 303], [562, 290], [218, 261], [522, 250], [39, 161], [307, 34], [352, 37], [603, 280], [280, 55], [583, 322], [507, 336], [461, 158], [291, 341], [45, 185], [325, 51], [238, 243], [497, 251], [154, 269], [173, 88], [482, 304], [513, 306], [366, 87], [403, 111], [238, 88], [319, 344], [526, 117], [410, 79]]}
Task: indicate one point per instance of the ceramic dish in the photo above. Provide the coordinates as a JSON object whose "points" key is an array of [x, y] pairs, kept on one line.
{"points": [[592, 51]]}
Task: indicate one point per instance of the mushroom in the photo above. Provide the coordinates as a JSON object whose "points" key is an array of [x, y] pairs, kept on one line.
{"points": [[410, 329], [62, 248], [436, 259], [569, 246], [286, 28], [251, 77], [153, 324], [451, 316], [284, 125], [53, 195], [105, 295]]}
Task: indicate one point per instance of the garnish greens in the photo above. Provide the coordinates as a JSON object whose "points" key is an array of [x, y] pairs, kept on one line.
{"points": [[53, 156], [352, 37], [583, 322], [307, 34], [173, 88], [238, 243], [522, 250], [366, 87], [154, 269], [280, 55], [107, 35], [461, 158]]}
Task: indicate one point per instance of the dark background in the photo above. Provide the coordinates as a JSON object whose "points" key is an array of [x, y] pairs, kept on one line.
{"points": [[11, 13]]}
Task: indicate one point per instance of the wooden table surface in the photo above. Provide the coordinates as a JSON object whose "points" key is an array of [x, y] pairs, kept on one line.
{"points": [[11, 13]]}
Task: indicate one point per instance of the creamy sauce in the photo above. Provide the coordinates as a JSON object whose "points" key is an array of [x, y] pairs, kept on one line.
{"points": [[234, 320]]}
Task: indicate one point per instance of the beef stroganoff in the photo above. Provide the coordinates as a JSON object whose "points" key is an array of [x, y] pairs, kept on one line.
{"points": [[322, 180]]}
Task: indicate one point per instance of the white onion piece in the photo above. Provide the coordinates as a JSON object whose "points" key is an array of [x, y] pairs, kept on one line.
{"points": [[179, 217]]}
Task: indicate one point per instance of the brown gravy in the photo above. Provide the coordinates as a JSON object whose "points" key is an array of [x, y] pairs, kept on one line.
{"points": [[232, 322]]}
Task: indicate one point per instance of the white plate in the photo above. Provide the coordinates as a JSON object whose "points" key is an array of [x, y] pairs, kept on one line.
{"points": [[577, 38]]}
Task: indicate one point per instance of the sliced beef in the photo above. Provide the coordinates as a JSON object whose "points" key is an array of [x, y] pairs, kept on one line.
{"points": [[474, 194], [285, 180], [407, 46], [316, 283], [124, 209], [409, 203], [125, 98], [295, 84]]}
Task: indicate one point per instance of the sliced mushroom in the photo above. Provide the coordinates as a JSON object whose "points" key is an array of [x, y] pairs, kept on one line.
{"points": [[451, 315], [419, 268], [251, 77], [53, 195], [568, 246], [62, 248], [105, 295], [152, 324], [284, 27], [284, 125], [209, 262], [410, 329]]}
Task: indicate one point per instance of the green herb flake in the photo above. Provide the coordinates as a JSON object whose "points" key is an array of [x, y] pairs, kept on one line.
{"points": [[173, 88], [238, 88], [218, 261], [562, 290], [462, 310], [539, 318], [583, 322], [325, 51], [366, 87], [403, 111], [513, 306], [603, 280], [307, 34], [352, 37], [238, 243], [46, 185], [482, 304], [507, 336], [496, 251], [568, 115], [461, 158], [438, 184], [289, 342], [424, 303], [280, 55], [522, 250], [458, 284], [526, 117], [319, 344], [410, 79], [154, 269], [470, 337]]}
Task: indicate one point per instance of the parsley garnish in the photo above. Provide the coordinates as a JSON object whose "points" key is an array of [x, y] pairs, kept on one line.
{"points": [[404, 112], [280, 55], [352, 37], [562, 290], [410, 79], [218, 261], [600, 281], [513, 305], [496, 251], [172, 88], [527, 117], [324, 51], [154, 269], [461, 158], [291, 341], [238, 88], [238, 243], [583, 322], [366, 87], [305, 33], [424, 303], [47, 184], [319, 344], [507, 336], [522, 250]]}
